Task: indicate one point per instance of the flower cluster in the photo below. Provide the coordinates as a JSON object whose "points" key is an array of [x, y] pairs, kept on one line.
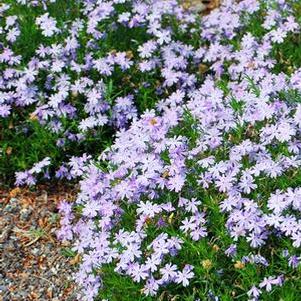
{"points": [[199, 190], [218, 150], [28, 177], [76, 81]]}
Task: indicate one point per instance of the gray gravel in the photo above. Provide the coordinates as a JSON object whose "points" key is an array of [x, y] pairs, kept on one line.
{"points": [[32, 262]]}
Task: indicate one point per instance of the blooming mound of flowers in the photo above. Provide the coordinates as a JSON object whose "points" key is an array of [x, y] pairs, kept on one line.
{"points": [[200, 199], [89, 72], [199, 196]]}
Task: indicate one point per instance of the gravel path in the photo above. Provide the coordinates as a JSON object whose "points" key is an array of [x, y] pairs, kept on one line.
{"points": [[33, 264]]}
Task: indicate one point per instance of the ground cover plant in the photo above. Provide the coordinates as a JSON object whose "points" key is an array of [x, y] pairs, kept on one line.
{"points": [[65, 80], [198, 197]]}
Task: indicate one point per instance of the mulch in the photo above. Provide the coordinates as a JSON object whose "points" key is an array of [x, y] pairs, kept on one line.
{"points": [[201, 6]]}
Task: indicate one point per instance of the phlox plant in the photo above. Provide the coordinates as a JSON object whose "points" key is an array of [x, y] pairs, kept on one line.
{"points": [[75, 72], [200, 198]]}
